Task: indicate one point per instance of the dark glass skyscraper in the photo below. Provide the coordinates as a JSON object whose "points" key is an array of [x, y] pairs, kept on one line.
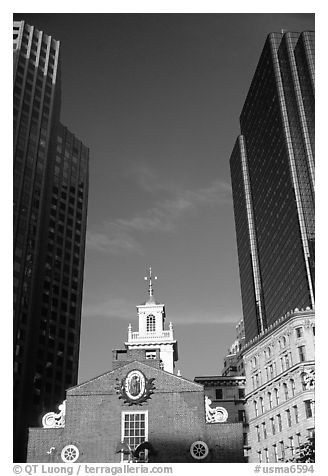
{"points": [[272, 172], [50, 213]]}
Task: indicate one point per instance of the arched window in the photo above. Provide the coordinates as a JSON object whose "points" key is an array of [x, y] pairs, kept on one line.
{"points": [[270, 399], [292, 386], [283, 342], [262, 405], [304, 376], [276, 394], [151, 323], [285, 390]]}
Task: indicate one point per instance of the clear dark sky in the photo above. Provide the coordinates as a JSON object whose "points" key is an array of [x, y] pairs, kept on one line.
{"points": [[157, 98]]}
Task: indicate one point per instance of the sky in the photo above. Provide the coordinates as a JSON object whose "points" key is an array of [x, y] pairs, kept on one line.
{"points": [[157, 99]]}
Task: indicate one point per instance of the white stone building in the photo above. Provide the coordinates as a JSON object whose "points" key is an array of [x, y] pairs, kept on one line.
{"points": [[279, 365]]}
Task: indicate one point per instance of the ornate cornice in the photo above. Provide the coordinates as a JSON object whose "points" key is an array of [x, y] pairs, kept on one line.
{"points": [[296, 313], [238, 381]]}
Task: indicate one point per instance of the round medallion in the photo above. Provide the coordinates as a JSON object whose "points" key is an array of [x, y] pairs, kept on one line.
{"points": [[199, 450], [135, 384], [70, 454], [135, 388]]}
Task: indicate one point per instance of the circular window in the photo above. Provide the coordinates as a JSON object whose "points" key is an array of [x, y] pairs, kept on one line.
{"points": [[70, 454], [199, 450]]}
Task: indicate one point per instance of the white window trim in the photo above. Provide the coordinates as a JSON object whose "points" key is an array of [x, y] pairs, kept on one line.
{"points": [[144, 412]]}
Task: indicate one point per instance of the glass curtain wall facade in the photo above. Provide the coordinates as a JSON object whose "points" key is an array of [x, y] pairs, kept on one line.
{"points": [[50, 209], [272, 173]]}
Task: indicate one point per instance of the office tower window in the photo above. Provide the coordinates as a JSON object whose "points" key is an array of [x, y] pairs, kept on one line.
{"points": [[241, 415], [276, 394], [289, 419], [275, 453], [259, 455], [270, 372], [241, 393], [283, 342], [273, 428], [256, 411], [301, 353], [291, 446], [296, 416], [258, 379], [299, 332], [218, 394], [308, 408], [261, 405], [292, 386], [285, 361], [258, 433], [264, 430], [310, 432], [304, 380], [270, 400], [279, 422], [285, 387], [266, 455], [282, 450], [298, 439]]}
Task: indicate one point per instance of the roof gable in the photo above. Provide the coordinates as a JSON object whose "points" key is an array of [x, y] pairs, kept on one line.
{"points": [[107, 382]]}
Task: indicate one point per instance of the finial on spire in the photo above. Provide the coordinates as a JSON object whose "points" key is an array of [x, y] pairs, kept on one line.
{"points": [[150, 287]]}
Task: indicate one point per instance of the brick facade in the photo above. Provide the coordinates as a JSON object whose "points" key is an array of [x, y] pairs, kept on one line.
{"points": [[176, 419]]}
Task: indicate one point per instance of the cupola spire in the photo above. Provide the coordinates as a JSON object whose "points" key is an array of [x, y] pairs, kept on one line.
{"points": [[150, 287]]}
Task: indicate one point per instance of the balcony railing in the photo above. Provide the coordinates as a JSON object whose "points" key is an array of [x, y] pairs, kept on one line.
{"points": [[150, 336]]}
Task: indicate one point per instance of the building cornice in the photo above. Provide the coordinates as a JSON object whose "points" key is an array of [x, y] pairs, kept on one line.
{"points": [[289, 316], [222, 380]]}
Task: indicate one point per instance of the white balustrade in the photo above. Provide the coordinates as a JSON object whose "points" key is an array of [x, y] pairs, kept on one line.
{"points": [[150, 336]]}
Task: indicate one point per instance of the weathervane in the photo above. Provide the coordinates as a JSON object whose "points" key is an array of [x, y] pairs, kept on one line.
{"points": [[146, 278]]}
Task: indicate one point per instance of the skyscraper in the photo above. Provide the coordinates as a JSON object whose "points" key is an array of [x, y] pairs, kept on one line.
{"points": [[272, 172], [50, 212]]}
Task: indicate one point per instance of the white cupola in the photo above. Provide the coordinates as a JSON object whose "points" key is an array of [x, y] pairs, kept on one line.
{"points": [[152, 334]]}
